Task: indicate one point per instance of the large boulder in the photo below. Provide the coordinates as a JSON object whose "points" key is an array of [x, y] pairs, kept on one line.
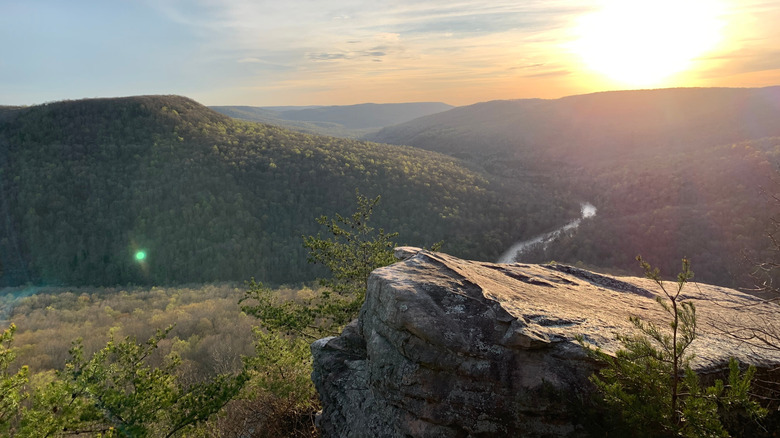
{"points": [[446, 347]]}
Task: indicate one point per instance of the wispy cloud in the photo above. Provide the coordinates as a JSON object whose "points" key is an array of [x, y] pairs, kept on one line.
{"points": [[744, 61], [548, 74], [754, 44], [328, 56], [341, 42], [328, 52]]}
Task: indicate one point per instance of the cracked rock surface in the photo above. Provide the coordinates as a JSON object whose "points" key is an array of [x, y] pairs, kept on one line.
{"points": [[446, 347]]}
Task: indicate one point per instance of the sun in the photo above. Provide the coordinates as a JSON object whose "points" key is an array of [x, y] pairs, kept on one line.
{"points": [[642, 43]]}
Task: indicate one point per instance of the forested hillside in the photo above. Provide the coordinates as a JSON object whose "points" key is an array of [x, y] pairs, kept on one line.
{"points": [[713, 207], [673, 173], [86, 185], [587, 128]]}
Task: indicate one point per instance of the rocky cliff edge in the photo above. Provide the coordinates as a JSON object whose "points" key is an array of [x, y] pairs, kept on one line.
{"points": [[446, 347]]}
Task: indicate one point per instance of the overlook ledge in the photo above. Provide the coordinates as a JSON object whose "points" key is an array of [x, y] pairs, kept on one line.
{"points": [[445, 347]]}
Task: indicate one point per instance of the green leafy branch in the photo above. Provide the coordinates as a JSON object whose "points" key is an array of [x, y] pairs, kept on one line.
{"points": [[650, 383]]}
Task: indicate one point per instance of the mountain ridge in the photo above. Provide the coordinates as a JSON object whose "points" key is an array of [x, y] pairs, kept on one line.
{"points": [[338, 120], [88, 183], [514, 127], [168, 171], [673, 172]]}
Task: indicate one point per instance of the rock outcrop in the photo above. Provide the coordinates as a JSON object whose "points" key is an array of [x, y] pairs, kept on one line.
{"points": [[446, 347]]}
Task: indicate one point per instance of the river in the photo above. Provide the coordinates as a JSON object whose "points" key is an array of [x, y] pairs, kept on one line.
{"points": [[587, 210]]}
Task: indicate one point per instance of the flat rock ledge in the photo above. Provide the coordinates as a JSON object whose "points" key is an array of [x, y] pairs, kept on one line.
{"points": [[445, 347]]}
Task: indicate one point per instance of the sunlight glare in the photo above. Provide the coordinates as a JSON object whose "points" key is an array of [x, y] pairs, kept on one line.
{"points": [[642, 43]]}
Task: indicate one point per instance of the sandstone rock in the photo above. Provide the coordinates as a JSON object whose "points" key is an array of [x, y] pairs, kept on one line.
{"points": [[446, 347]]}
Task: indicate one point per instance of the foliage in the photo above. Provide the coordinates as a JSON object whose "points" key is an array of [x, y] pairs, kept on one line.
{"points": [[280, 391], [284, 375], [210, 336], [279, 399], [683, 327], [138, 399], [663, 184], [210, 332], [274, 313], [675, 202], [352, 251], [11, 384], [651, 384], [116, 392], [55, 409], [84, 185], [282, 362]]}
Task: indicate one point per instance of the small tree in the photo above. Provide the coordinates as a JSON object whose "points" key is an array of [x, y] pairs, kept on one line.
{"points": [[137, 399], [281, 368], [651, 384], [683, 327], [12, 384], [114, 393], [352, 251]]}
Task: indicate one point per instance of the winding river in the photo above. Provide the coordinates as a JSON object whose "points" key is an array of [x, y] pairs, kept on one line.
{"points": [[587, 210]]}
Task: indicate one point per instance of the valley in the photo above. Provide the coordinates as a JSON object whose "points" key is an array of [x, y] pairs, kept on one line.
{"points": [[214, 202], [298, 219], [674, 172], [207, 198], [211, 198], [515, 251]]}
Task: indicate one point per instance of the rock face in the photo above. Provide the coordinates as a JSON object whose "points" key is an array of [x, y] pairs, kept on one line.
{"points": [[446, 347]]}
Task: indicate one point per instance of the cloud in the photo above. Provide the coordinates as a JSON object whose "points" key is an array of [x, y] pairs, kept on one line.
{"points": [[522, 67], [360, 44], [387, 36], [304, 23], [549, 74], [327, 56], [754, 48], [324, 56], [744, 61], [286, 49]]}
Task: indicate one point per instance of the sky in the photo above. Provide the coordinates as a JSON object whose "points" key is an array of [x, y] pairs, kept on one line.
{"points": [[341, 52]]}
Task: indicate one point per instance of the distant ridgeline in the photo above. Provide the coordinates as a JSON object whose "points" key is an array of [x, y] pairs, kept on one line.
{"points": [[673, 172], [351, 121], [162, 190]]}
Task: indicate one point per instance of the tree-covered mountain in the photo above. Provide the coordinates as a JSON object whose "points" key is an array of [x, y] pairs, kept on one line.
{"points": [[85, 185], [673, 172], [593, 127], [350, 121]]}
